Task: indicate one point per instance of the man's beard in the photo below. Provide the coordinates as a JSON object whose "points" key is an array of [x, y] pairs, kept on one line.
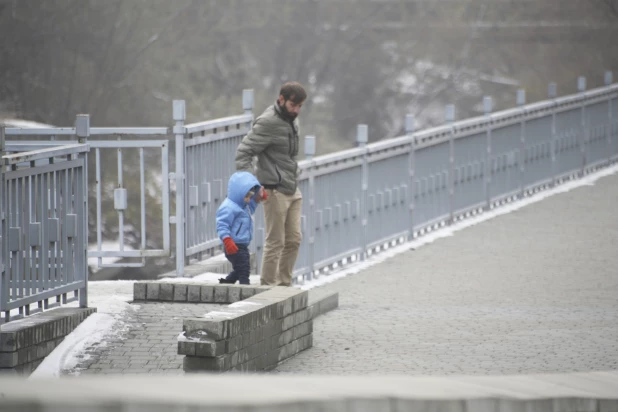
{"points": [[285, 112]]}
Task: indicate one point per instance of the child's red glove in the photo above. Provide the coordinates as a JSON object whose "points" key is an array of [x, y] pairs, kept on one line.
{"points": [[261, 195], [230, 246]]}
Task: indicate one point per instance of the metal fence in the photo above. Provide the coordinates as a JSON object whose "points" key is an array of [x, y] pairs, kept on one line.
{"points": [[43, 219], [208, 163], [361, 201], [356, 202], [131, 146]]}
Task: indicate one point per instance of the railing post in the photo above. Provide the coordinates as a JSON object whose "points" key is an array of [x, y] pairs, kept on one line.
{"points": [[521, 101], [82, 131], [583, 140], [450, 119], [247, 107], [179, 117], [552, 92], [247, 101], [310, 224], [608, 81], [409, 125], [362, 137], [3, 252], [487, 109]]}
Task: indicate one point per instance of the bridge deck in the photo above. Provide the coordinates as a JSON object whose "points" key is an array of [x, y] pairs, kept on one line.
{"points": [[532, 291]]}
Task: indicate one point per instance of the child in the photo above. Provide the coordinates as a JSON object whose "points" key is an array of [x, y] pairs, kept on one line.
{"points": [[234, 224]]}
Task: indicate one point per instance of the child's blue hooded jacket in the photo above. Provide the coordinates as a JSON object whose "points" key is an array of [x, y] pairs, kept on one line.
{"points": [[234, 215]]}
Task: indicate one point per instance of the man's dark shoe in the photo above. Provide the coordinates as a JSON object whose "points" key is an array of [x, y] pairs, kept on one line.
{"points": [[224, 280]]}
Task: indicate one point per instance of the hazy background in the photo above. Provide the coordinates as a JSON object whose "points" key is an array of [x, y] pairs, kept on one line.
{"points": [[362, 61]]}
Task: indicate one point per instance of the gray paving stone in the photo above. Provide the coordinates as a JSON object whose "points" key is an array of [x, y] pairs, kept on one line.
{"points": [[180, 293], [193, 293], [166, 292], [152, 291], [152, 348], [208, 294], [139, 291], [528, 292]]}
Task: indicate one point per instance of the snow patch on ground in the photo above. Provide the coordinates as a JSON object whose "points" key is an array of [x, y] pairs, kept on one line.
{"points": [[111, 298]]}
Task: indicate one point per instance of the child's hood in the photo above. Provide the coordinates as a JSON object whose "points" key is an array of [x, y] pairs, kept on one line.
{"points": [[240, 183]]}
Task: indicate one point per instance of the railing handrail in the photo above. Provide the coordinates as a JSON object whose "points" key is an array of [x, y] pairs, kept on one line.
{"points": [[94, 131], [44, 153], [218, 123]]}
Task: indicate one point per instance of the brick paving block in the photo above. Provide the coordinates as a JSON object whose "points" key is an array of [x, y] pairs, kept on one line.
{"points": [[186, 348], [235, 359], [282, 339], [245, 340], [180, 293], [221, 294], [166, 292], [8, 359], [246, 292], [214, 328], [139, 291], [303, 329], [300, 300], [288, 322], [302, 316], [194, 293], [207, 294], [260, 362], [8, 341], [210, 348], [262, 288], [152, 291], [256, 335], [198, 364], [272, 358], [233, 344], [233, 294]]}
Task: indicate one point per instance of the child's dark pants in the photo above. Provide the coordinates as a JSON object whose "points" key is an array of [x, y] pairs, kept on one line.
{"points": [[241, 265]]}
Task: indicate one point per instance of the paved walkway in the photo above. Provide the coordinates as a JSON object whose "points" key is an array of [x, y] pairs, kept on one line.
{"points": [[148, 343], [528, 292]]}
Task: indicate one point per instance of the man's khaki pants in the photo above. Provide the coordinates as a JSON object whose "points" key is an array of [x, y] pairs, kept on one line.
{"points": [[282, 237]]}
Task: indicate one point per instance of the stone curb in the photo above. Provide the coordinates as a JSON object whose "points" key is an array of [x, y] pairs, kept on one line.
{"points": [[253, 335], [24, 343], [193, 292], [321, 302]]}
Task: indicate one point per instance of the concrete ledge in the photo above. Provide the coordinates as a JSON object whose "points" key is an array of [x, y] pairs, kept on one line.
{"points": [[582, 392], [321, 302], [193, 292], [250, 335], [24, 343]]}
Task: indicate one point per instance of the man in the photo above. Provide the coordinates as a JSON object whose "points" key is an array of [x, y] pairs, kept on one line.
{"points": [[274, 140]]}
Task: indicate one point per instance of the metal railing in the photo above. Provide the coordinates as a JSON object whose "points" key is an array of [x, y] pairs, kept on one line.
{"points": [[112, 187], [357, 201], [361, 201], [209, 151], [43, 219]]}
